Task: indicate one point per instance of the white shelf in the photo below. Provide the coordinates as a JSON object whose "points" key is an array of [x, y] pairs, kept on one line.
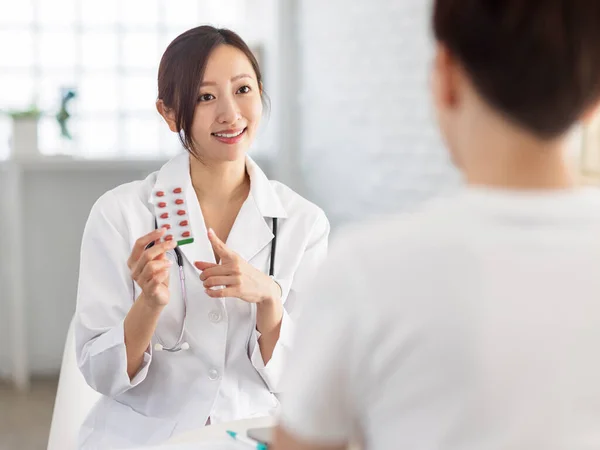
{"points": [[57, 163]]}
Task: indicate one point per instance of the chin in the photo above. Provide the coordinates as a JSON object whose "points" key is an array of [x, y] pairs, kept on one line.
{"points": [[223, 153], [234, 153]]}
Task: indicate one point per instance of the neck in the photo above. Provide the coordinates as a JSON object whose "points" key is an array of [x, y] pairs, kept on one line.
{"points": [[523, 171], [505, 157], [219, 183]]}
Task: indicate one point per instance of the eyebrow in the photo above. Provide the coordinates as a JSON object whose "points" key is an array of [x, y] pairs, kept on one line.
{"points": [[237, 77]]}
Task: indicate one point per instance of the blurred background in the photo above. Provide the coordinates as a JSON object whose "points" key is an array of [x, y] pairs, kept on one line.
{"points": [[350, 127]]}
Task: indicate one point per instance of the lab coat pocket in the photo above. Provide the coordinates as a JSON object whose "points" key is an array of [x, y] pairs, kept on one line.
{"points": [[125, 426], [263, 404]]}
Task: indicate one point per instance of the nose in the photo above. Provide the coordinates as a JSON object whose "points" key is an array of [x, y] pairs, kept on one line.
{"points": [[228, 112]]}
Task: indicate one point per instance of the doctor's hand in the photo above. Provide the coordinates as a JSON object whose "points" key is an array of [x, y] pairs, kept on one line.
{"points": [[241, 279], [150, 268]]}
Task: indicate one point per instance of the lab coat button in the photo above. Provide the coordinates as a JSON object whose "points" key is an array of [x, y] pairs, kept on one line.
{"points": [[213, 374], [214, 316]]}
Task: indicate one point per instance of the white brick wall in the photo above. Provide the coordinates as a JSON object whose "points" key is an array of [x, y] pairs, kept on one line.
{"points": [[369, 141]]}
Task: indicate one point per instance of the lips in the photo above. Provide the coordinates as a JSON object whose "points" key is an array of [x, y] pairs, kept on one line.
{"points": [[229, 133], [230, 136]]}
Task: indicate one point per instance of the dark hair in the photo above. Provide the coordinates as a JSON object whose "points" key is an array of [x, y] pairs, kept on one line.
{"points": [[181, 71], [536, 61]]}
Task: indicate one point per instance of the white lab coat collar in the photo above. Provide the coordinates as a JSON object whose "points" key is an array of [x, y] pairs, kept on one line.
{"points": [[266, 198], [251, 231]]}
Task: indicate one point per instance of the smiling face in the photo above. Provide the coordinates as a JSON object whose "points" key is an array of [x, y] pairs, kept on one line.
{"points": [[210, 93], [228, 108]]}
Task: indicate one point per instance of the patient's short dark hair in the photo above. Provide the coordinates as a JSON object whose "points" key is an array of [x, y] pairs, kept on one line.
{"points": [[535, 61]]}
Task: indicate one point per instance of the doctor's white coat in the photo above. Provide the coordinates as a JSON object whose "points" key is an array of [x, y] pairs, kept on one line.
{"points": [[222, 376]]}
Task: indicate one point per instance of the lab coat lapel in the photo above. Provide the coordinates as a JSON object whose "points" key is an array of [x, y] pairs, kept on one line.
{"points": [[252, 229], [250, 232]]}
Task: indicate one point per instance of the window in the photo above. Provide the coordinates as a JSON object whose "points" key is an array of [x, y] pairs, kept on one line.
{"points": [[108, 52]]}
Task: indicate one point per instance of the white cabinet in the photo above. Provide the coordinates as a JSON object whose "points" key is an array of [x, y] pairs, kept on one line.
{"points": [[43, 209]]}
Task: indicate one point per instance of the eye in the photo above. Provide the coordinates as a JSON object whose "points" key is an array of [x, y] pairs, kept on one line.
{"points": [[244, 90], [206, 97]]}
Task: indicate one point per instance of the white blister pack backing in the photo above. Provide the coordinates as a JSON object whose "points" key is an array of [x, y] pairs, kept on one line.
{"points": [[170, 211]]}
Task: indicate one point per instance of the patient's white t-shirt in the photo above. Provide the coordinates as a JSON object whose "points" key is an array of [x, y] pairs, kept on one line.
{"points": [[474, 324]]}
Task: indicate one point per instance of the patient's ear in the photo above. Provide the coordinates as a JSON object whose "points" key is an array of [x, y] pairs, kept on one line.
{"points": [[446, 78], [168, 114]]}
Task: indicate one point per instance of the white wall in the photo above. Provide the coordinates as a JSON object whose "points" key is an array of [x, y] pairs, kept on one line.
{"points": [[369, 142]]}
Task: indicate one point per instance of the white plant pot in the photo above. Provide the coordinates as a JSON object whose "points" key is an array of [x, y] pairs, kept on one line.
{"points": [[24, 141]]}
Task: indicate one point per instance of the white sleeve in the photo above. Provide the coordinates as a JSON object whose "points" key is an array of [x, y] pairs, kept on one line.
{"points": [[313, 257], [319, 381], [104, 297]]}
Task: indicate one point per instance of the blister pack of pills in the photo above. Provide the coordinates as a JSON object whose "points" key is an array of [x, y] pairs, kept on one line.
{"points": [[171, 213]]}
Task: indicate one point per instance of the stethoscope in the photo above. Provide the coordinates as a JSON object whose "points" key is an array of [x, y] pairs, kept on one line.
{"points": [[181, 344]]}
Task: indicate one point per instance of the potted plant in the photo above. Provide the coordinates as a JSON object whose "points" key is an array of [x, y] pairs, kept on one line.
{"points": [[24, 139]]}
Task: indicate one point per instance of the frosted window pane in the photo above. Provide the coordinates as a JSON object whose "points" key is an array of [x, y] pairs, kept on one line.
{"points": [[141, 136], [182, 17], [94, 12], [229, 14], [16, 91], [99, 50], [97, 137], [16, 49], [50, 93], [58, 50], [56, 12], [20, 12], [169, 142], [139, 93], [50, 141], [98, 92], [140, 12], [140, 50]]}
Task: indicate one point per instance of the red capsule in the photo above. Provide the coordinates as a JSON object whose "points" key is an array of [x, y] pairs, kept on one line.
{"points": [[164, 216], [168, 237], [162, 204], [181, 212], [186, 234], [166, 226], [177, 191], [160, 194], [179, 201], [183, 223]]}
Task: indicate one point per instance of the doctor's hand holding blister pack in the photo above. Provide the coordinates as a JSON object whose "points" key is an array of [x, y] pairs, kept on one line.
{"points": [[190, 280]]}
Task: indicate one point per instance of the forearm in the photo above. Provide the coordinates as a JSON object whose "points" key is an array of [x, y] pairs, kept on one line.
{"points": [[268, 323], [139, 326]]}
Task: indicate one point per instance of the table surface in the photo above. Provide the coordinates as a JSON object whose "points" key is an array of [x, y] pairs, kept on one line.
{"points": [[218, 432], [215, 437]]}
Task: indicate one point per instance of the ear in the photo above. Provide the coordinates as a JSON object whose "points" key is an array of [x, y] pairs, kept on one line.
{"points": [[445, 78], [168, 114]]}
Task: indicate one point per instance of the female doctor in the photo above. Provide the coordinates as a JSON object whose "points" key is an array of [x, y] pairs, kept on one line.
{"points": [[172, 352]]}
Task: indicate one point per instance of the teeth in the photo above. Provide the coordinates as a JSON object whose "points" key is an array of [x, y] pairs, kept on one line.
{"points": [[226, 135]]}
